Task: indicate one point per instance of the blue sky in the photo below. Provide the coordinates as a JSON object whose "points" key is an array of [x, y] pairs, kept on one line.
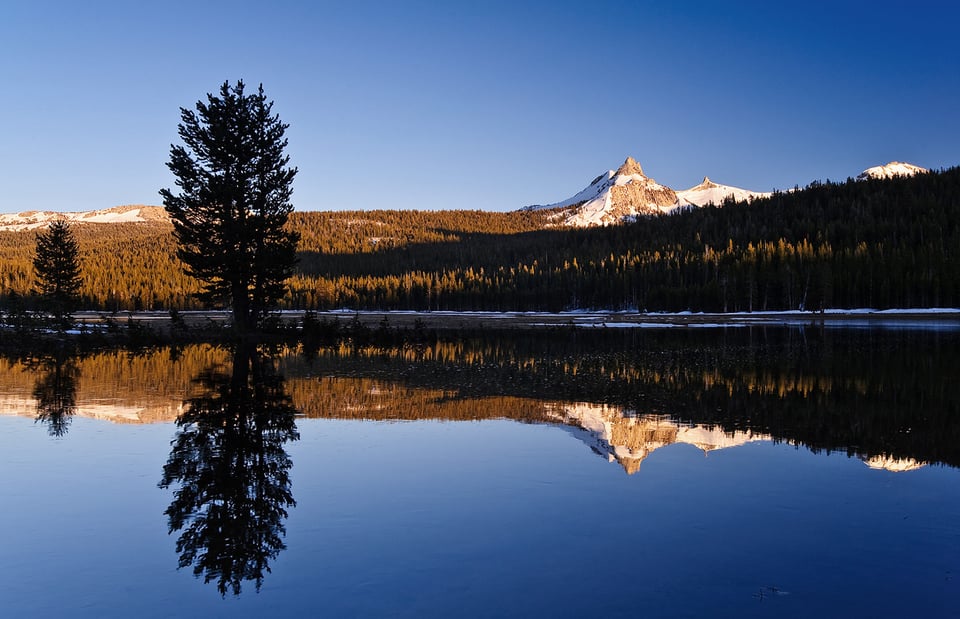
{"points": [[479, 105]]}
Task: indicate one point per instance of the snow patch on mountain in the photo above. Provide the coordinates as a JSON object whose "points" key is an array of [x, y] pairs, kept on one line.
{"points": [[708, 192], [891, 170], [133, 213]]}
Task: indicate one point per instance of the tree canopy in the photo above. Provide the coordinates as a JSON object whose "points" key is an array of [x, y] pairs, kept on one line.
{"points": [[231, 212]]}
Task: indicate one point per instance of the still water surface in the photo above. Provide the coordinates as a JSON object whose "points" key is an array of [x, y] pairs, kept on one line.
{"points": [[728, 472]]}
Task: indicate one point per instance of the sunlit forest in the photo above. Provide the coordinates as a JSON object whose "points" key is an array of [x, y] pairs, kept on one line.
{"points": [[874, 243]]}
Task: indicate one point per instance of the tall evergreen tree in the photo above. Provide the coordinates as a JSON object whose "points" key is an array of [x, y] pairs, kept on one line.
{"points": [[230, 215], [57, 267]]}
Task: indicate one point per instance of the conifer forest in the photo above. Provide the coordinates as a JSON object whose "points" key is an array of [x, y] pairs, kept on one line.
{"points": [[879, 243]]}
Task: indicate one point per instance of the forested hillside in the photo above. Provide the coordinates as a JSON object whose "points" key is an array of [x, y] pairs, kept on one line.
{"points": [[123, 266], [873, 243]]}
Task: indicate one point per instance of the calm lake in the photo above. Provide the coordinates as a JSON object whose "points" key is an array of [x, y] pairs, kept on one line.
{"points": [[744, 472]]}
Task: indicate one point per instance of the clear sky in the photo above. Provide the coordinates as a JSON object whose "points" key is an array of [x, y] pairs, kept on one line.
{"points": [[480, 104]]}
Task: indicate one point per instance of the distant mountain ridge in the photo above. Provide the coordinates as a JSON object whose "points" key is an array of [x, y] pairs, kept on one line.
{"points": [[30, 220], [616, 196], [623, 194]]}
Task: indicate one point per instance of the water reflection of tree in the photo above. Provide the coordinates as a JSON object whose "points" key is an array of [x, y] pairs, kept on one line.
{"points": [[232, 472], [55, 391]]}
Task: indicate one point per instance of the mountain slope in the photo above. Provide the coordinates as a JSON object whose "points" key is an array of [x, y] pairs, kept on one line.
{"points": [[708, 192]]}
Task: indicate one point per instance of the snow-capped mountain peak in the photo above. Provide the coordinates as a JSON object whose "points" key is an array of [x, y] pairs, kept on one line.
{"points": [[615, 196], [627, 192], [892, 169]]}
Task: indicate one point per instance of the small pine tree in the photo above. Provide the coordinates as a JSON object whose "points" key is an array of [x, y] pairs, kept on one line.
{"points": [[57, 267]]}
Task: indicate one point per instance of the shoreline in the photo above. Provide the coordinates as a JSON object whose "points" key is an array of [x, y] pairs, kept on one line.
{"points": [[454, 320]]}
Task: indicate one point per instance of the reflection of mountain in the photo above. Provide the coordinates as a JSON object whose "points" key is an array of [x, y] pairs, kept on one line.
{"points": [[896, 465], [625, 438], [231, 473], [629, 439]]}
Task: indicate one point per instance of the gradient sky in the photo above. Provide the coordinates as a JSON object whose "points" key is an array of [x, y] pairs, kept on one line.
{"points": [[478, 105]]}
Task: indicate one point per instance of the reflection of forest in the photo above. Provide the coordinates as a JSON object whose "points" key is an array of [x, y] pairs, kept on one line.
{"points": [[117, 385], [874, 394]]}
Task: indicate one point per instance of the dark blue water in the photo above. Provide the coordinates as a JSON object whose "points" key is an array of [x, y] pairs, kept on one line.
{"points": [[492, 517]]}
